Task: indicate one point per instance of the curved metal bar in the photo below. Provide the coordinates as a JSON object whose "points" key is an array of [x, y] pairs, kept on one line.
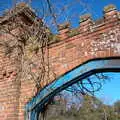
{"points": [[71, 77]]}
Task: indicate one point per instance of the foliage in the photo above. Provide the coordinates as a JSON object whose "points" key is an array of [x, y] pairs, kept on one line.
{"points": [[53, 38], [117, 107], [91, 108], [85, 17], [73, 32], [109, 8], [64, 26]]}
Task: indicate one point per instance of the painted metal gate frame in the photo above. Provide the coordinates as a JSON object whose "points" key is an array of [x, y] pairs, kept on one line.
{"points": [[33, 108]]}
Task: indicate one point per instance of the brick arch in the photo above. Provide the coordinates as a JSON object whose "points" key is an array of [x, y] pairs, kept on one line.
{"points": [[88, 68], [73, 51]]}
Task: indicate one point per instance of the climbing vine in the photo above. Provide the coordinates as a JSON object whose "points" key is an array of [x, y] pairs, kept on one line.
{"points": [[31, 40]]}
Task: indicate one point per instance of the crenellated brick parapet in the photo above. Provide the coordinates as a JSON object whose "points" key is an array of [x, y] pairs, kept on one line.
{"points": [[88, 25], [92, 39]]}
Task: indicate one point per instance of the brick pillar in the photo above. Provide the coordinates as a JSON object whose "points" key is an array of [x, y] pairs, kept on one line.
{"points": [[63, 30], [9, 80], [110, 12], [85, 23]]}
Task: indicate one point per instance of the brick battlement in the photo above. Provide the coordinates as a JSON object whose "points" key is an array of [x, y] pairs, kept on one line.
{"points": [[92, 39], [87, 25]]}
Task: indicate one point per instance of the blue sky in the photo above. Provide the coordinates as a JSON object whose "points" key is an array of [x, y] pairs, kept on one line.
{"points": [[72, 10], [110, 91]]}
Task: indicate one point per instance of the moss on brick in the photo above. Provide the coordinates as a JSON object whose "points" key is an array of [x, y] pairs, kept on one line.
{"points": [[73, 32], [109, 8]]}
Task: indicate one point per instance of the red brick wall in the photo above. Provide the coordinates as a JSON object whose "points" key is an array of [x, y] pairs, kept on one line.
{"points": [[9, 84], [95, 40]]}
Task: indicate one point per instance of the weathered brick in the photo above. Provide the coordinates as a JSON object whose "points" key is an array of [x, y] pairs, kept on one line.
{"points": [[93, 41]]}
